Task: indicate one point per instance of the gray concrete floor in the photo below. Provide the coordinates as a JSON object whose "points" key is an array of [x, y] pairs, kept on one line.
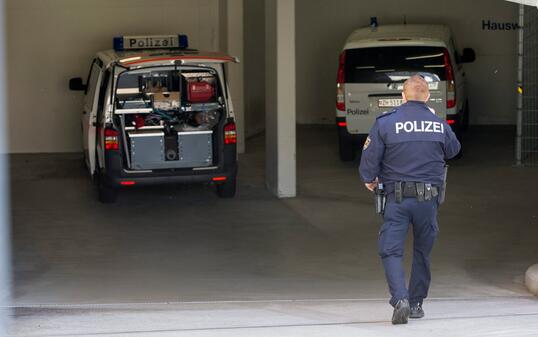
{"points": [[314, 255]]}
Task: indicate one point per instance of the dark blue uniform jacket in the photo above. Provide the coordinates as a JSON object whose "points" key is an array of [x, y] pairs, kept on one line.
{"points": [[409, 143]]}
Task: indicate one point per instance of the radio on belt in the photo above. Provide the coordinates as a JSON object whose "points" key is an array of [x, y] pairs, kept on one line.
{"points": [[151, 42]]}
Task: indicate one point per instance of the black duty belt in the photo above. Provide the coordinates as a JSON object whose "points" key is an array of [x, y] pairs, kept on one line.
{"points": [[421, 191]]}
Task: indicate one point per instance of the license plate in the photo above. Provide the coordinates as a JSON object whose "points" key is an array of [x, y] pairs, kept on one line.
{"points": [[389, 102]]}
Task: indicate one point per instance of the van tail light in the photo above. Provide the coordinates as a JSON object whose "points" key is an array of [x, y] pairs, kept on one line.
{"points": [[340, 80], [111, 140], [451, 121], [450, 84], [230, 133]]}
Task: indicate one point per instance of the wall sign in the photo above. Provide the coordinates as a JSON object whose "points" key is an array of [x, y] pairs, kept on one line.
{"points": [[492, 25]]}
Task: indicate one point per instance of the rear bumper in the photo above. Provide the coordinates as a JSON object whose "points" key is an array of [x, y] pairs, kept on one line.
{"points": [[156, 178], [114, 175], [343, 132]]}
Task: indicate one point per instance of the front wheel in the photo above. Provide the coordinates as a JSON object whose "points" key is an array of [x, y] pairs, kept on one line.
{"points": [[227, 189]]}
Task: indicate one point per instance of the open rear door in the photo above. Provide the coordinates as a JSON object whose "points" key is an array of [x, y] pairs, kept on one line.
{"points": [[89, 114]]}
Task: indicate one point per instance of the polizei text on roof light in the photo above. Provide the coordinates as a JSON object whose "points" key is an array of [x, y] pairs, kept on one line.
{"points": [[151, 42]]}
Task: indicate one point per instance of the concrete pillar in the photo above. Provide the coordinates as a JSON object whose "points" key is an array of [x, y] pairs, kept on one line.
{"points": [[280, 97], [231, 42], [5, 237]]}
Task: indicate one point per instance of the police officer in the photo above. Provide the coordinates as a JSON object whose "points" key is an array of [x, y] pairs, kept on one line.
{"points": [[406, 151]]}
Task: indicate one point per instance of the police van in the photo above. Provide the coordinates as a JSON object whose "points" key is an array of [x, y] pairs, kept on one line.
{"points": [[375, 62], [157, 112]]}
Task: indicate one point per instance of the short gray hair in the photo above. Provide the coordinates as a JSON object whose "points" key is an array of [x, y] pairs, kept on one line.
{"points": [[416, 88]]}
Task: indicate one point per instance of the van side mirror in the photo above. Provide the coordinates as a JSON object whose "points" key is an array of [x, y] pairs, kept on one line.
{"points": [[468, 55], [76, 84]]}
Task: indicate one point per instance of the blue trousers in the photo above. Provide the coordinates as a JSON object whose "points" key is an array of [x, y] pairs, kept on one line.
{"points": [[397, 219]]}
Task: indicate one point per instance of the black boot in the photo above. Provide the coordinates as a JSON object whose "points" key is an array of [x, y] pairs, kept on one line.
{"points": [[416, 311], [401, 312]]}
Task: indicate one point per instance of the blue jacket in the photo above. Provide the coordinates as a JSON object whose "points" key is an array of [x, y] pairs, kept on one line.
{"points": [[409, 143]]}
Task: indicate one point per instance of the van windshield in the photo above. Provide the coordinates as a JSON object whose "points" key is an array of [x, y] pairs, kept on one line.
{"points": [[394, 64]]}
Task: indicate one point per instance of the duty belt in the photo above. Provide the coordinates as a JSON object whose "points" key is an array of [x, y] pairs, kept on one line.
{"points": [[421, 191]]}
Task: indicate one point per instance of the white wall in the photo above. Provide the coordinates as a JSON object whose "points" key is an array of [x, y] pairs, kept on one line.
{"points": [[50, 41], [323, 26]]}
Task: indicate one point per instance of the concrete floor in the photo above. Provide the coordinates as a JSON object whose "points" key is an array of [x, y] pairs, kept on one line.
{"points": [[180, 245]]}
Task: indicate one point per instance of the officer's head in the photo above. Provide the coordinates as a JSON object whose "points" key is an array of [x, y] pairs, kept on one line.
{"points": [[416, 89]]}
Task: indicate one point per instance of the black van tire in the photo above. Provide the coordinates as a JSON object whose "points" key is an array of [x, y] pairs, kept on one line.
{"points": [[465, 122], [227, 189], [346, 148], [106, 194]]}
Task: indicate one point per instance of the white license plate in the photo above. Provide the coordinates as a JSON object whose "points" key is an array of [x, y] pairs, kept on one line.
{"points": [[389, 102]]}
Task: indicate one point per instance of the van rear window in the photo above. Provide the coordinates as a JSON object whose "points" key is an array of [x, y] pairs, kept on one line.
{"points": [[394, 64]]}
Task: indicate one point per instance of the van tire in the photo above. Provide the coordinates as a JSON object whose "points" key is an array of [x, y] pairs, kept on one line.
{"points": [[227, 190], [107, 194], [465, 122], [346, 149]]}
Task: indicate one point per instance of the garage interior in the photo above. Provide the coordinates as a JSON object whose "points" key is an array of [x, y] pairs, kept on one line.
{"points": [[294, 254]]}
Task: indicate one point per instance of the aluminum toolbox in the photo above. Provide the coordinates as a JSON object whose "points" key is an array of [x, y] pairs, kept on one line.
{"points": [[195, 148], [147, 150]]}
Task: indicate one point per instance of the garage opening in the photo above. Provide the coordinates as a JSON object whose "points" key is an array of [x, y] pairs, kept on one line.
{"points": [[179, 261]]}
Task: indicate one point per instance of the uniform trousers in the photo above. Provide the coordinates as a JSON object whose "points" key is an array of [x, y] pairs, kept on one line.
{"points": [[398, 217]]}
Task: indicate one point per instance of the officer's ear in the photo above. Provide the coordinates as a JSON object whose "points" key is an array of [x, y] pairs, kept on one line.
{"points": [[403, 97], [428, 98]]}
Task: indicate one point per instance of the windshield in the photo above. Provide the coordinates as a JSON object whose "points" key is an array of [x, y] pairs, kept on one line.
{"points": [[394, 64]]}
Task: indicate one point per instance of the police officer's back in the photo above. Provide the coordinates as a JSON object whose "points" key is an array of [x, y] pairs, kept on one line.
{"points": [[406, 151]]}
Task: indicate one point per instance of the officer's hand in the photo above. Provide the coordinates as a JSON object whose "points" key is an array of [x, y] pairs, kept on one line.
{"points": [[371, 186]]}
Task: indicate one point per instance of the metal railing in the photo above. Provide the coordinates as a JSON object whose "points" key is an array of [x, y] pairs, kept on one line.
{"points": [[528, 109]]}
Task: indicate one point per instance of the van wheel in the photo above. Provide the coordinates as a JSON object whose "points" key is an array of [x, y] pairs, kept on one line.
{"points": [[465, 123], [107, 194], [346, 149], [227, 190]]}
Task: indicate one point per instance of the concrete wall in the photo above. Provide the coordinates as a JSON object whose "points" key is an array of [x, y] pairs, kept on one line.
{"points": [[254, 63], [50, 41], [323, 26]]}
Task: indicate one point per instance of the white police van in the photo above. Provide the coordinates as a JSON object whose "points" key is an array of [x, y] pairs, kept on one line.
{"points": [[156, 112], [375, 62]]}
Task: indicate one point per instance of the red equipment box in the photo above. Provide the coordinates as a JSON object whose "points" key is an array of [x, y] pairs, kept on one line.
{"points": [[200, 92]]}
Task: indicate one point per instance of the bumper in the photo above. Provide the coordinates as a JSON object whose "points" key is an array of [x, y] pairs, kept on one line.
{"points": [[155, 178], [115, 176]]}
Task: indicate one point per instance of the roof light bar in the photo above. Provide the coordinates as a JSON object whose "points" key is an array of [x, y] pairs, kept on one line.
{"points": [[150, 42]]}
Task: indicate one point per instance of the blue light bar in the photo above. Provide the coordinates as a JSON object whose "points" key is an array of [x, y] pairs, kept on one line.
{"points": [[151, 42]]}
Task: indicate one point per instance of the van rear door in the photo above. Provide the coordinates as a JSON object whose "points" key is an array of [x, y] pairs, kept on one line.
{"points": [[374, 79]]}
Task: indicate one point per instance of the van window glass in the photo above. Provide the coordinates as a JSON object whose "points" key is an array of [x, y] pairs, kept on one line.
{"points": [[394, 64]]}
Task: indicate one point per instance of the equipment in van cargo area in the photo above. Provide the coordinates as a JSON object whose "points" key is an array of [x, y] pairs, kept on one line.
{"points": [[153, 150], [169, 117], [200, 91], [166, 101]]}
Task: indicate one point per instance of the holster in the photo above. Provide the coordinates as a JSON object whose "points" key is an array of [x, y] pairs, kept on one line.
{"points": [[398, 193]]}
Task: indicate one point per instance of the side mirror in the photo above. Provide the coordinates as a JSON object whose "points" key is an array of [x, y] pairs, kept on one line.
{"points": [[76, 84], [468, 56]]}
